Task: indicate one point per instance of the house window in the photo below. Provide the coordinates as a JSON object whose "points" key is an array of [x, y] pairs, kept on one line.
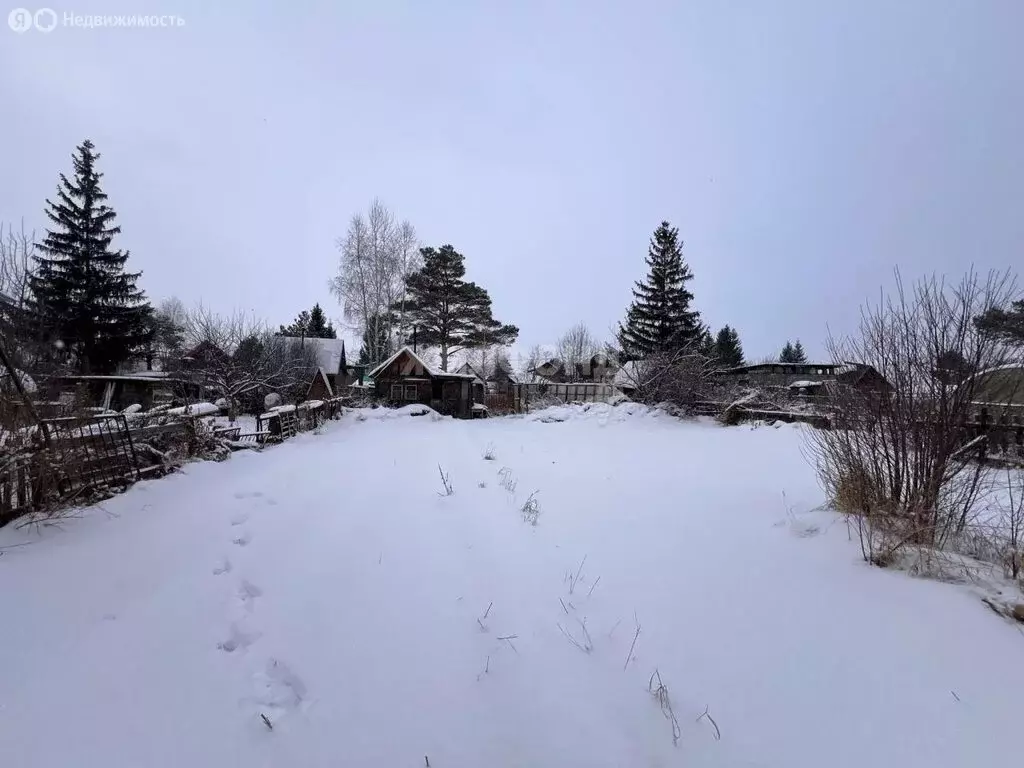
{"points": [[396, 391], [410, 392]]}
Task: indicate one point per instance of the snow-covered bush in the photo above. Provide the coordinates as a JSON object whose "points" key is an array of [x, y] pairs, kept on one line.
{"points": [[898, 458]]}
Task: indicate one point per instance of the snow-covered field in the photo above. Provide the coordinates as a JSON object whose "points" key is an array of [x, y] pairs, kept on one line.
{"points": [[326, 584]]}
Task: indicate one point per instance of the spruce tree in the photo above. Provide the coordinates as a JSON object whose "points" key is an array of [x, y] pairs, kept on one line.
{"points": [[376, 346], [793, 353], [446, 311], [342, 362], [81, 294], [728, 351], [660, 318], [319, 326], [311, 324]]}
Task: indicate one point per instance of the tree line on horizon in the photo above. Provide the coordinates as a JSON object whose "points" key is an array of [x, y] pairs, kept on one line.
{"points": [[71, 300]]}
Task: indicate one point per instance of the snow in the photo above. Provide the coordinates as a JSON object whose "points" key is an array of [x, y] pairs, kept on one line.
{"points": [[195, 409], [801, 384], [326, 584]]}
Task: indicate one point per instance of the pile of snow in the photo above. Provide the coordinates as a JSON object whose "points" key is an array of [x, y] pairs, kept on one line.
{"points": [[600, 412], [388, 414], [195, 409], [321, 604]]}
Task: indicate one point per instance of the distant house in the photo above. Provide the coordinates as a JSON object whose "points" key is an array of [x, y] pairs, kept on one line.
{"points": [[319, 388], [1000, 391], [779, 374], [404, 379], [117, 392], [599, 369], [479, 383], [503, 380], [329, 354]]}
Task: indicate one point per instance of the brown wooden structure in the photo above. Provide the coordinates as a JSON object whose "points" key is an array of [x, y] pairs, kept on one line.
{"points": [[405, 379]]}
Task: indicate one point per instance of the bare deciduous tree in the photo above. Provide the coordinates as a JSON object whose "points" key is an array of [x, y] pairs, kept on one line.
{"points": [[900, 457], [237, 357], [681, 377], [16, 263], [23, 337], [575, 348], [377, 253]]}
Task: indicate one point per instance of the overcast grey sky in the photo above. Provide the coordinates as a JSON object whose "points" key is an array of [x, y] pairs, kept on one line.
{"points": [[803, 149]]}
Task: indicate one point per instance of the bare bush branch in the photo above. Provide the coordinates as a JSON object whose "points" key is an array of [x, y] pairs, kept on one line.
{"points": [[900, 456]]}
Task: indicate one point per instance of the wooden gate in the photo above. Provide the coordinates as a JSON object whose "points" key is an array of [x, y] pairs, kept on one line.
{"points": [[88, 451]]}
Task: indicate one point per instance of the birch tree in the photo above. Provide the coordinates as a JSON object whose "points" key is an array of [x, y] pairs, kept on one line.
{"points": [[378, 253]]}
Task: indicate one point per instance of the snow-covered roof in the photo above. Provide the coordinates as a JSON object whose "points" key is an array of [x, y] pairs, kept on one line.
{"points": [[431, 371], [383, 366], [801, 384], [328, 351]]}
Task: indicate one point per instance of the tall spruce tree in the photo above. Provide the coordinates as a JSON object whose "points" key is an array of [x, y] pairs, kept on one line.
{"points": [[660, 318], [80, 293], [728, 351], [446, 311], [312, 324]]}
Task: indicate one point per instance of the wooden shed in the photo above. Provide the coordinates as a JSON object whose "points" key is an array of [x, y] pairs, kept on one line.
{"points": [[404, 379]]}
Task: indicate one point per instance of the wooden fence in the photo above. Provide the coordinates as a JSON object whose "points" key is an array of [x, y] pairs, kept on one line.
{"points": [[88, 452]]}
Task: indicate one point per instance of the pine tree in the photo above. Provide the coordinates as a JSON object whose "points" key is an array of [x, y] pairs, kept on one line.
{"points": [[728, 351], [1007, 325], [81, 294], [448, 312], [660, 318], [311, 324]]}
